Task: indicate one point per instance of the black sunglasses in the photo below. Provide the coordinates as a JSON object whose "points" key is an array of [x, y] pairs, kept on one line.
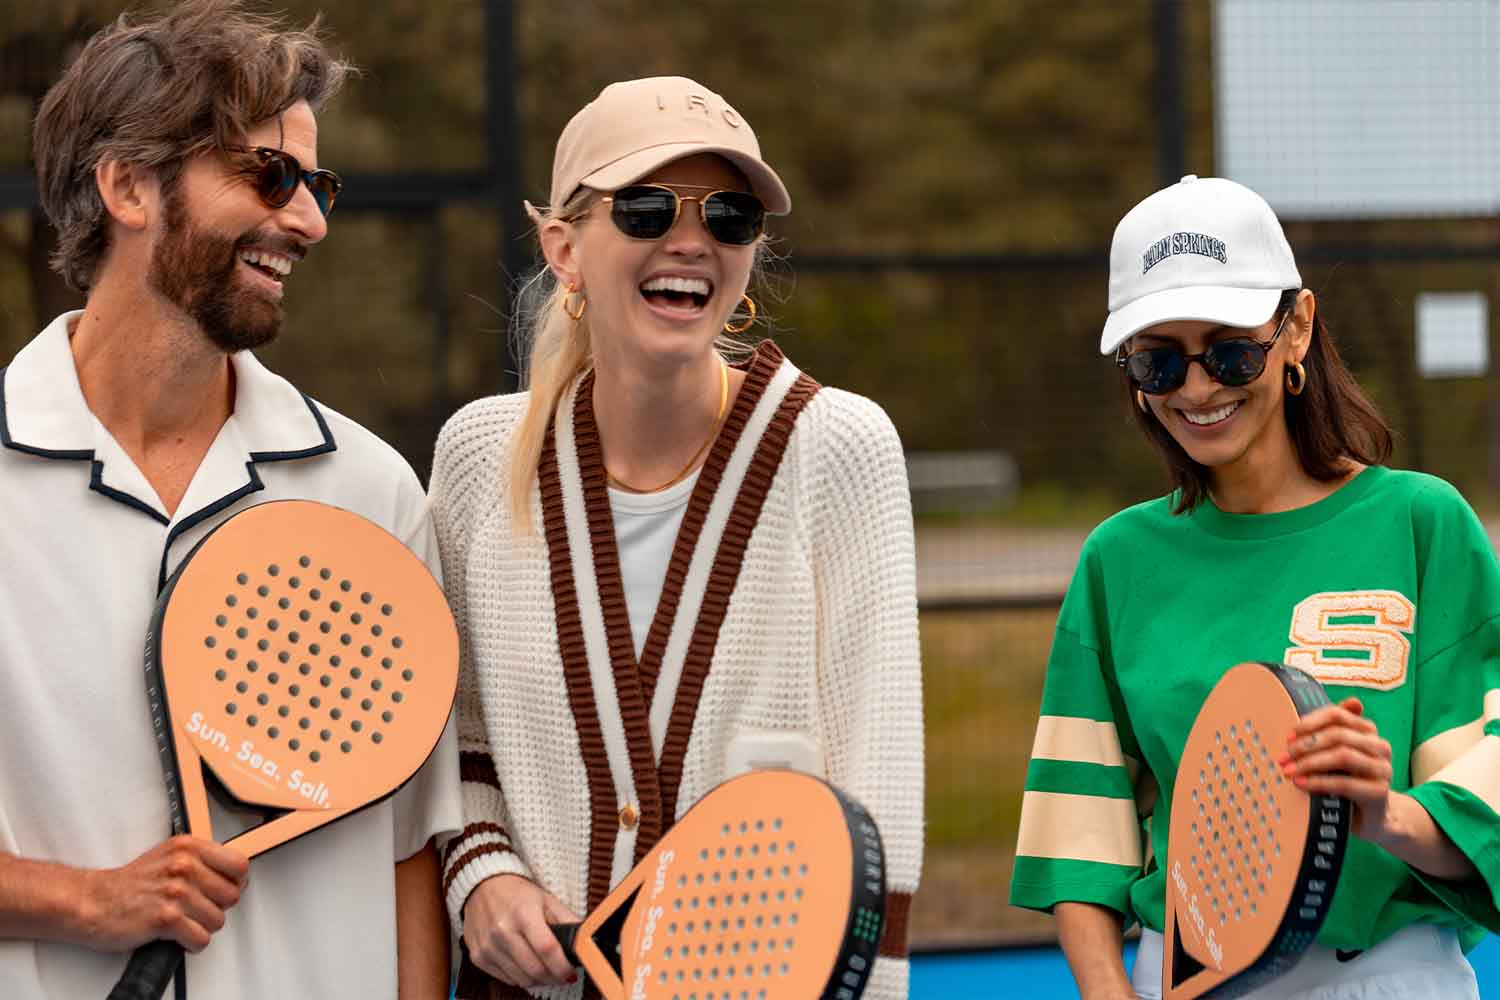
{"points": [[277, 173], [1158, 370], [649, 211]]}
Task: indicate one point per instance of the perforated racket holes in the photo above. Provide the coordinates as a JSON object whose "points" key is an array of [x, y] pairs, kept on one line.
{"points": [[266, 609], [1235, 856], [735, 906]]}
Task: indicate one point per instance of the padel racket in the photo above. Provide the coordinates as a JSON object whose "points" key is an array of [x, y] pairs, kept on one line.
{"points": [[771, 887], [307, 660], [1253, 860]]}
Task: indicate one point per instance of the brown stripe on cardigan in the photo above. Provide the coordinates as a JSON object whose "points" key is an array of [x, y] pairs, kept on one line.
{"points": [[451, 848], [477, 766], [635, 709], [574, 655], [635, 682], [897, 914], [472, 830], [721, 582], [464, 859], [474, 984], [758, 373]]}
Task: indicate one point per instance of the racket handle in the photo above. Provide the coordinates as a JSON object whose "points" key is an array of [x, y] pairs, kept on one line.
{"points": [[565, 933], [151, 968]]}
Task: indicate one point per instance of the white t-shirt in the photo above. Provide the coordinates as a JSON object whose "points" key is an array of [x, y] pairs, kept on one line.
{"points": [[86, 543], [646, 527]]}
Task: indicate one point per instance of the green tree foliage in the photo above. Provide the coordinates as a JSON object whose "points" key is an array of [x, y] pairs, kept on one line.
{"points": [[944, 127]]}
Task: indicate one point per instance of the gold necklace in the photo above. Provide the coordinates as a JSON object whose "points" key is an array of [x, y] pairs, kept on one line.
{"points": [[713, 433]]}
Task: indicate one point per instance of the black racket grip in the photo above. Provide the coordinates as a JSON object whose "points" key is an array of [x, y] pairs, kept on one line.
{"points": [[151, 968], [565, 933]]}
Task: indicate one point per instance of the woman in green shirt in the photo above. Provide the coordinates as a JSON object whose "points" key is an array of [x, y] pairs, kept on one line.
{"points": [[1286, 539]]}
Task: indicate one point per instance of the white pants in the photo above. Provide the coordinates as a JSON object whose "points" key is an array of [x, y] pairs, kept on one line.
{"points": [[1420, 962]]}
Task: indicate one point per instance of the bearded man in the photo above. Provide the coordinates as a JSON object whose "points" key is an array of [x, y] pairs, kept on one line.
{"points": [[178, 160]]}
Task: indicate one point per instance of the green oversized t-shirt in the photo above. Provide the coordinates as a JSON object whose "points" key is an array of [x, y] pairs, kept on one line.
{"points": [[1387, 590]]}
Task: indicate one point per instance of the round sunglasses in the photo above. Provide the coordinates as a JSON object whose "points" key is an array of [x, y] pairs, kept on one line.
{"points": [[1157, 371], [649, 211], [277, 173]]}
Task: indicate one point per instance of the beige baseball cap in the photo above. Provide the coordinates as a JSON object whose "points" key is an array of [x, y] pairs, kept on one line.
{"points": [[636, 126]]}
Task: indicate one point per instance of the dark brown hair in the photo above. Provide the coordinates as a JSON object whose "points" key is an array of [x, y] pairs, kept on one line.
{"points": [[158, 91], [1331, 422]]}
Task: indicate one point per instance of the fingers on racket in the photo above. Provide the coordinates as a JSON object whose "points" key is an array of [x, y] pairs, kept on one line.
{"points": [[309, 659], [1252, 859], [770, 888]]}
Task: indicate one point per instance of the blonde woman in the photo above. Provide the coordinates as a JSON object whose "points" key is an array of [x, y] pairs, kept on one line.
{"points": [[667, 568]]}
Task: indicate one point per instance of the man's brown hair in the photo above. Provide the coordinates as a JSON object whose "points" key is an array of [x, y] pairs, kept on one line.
{"points": [[155, 92]]}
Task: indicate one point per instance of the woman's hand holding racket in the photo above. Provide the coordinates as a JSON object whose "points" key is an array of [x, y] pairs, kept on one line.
{"points": [[771, 886], [506, 931], [1253, 860], [177, 891], [1335, 750]]}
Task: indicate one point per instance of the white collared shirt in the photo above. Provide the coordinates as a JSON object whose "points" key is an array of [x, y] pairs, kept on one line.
{"points": [[85, 544]]}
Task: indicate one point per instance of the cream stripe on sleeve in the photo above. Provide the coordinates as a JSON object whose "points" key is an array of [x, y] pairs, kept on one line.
{"points": [[1062, 737], [1477, 771], [1079, 828], [1433, 755]]}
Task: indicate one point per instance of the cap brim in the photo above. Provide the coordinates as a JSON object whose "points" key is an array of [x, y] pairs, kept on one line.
{"points": [[628, 169], [1244, 307]]}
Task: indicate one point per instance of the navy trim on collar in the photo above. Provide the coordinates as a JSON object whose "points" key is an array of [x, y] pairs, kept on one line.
{"points": [[96, 474], [283, 456], [7, 441], [199, 516], [96, 480], [255, 485], [96, 483]]}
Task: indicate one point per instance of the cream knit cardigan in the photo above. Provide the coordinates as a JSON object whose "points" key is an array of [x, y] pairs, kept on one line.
{"points": [[789, 607]]}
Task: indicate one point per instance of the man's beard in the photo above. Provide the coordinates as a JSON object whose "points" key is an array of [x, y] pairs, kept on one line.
{"points": [[194, 269]]}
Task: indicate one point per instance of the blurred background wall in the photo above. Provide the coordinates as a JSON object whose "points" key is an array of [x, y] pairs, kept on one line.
{"points": [[957, 168]]}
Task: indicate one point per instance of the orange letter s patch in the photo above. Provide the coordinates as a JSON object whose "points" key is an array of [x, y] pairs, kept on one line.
{"points": [[1354, 637]]}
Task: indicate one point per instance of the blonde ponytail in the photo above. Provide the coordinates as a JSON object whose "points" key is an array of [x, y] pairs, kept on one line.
{"points": [[554, 349]]}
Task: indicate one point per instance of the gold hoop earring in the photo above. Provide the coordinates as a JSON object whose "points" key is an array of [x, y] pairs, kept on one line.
{"points": [[1296, 387], [742, 327], [583, 303], [1140, 400]]}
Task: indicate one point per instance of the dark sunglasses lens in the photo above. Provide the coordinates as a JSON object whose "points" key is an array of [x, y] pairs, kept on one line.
{"points": [[1235, 362], [733, 217], [325, 186], [1157, 370], [277, 180], [644, 213]]}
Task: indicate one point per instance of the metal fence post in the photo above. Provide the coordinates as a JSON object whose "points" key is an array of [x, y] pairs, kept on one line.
{"points": [[503, 122], [1171, 116]]}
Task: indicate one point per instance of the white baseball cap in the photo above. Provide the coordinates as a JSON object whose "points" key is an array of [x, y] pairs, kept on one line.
{"points": [[1203, 249]]}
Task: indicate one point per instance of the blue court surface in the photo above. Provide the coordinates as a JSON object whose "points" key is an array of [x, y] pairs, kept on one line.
{"points": [[1041, 973]]}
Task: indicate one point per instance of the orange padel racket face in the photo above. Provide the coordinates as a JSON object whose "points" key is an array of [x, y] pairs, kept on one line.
{"points": [[308, 659], [772, 887], [1253, 860]]}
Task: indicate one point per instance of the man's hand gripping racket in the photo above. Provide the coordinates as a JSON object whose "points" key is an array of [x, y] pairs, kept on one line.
{"points": [[1253, 861], [772, 887], [305, 658]]}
